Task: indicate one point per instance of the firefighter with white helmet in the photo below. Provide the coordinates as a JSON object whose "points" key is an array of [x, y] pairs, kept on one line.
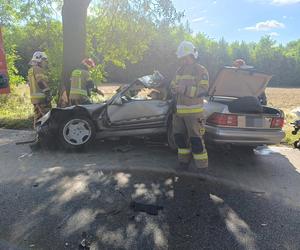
{"points": [[82, 83], [40, 94], [190, 86]]}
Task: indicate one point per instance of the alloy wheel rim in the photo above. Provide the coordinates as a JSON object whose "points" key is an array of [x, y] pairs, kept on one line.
{"points": [[77, 132]]}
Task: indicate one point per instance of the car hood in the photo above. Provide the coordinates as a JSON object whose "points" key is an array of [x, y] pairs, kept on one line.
{"points": [[235, 82], [92, 109]]}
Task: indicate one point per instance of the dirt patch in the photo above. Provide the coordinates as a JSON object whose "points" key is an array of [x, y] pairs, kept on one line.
{"points": [[109, 88], [284, 98]]}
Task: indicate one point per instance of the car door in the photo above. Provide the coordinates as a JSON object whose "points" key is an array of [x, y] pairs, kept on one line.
{"points": [[139, 113], [137, 109]]}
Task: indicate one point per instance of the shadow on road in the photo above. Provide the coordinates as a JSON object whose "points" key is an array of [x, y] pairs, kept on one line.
{"points": [[49, 200]]}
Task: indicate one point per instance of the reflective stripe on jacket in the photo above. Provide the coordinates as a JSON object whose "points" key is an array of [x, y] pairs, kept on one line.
{"points": [[79, 79], [36, 74], [192, 80], [189, 109]]}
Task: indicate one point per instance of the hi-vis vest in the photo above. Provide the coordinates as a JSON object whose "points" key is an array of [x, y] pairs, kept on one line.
{"points": [[79, 79], [193, 79], [36, 74]]}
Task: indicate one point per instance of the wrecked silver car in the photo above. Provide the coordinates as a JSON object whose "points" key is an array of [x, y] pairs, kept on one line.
{"points": [[234, 114]]}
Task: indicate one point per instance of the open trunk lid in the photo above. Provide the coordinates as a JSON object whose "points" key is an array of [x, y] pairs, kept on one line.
{"points": [[233, 82]]}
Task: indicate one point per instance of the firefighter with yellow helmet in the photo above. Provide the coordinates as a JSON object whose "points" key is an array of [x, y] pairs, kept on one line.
{"points": [[82, 83], [190, 86], [40, 94]]}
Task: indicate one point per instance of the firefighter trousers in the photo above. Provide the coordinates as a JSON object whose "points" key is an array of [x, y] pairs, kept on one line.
{"points": [[188, 134]]}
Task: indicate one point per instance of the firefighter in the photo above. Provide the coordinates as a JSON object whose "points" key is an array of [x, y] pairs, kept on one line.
{"points": [[40, 94], [82, 83], [190, 86], [241, 64]]}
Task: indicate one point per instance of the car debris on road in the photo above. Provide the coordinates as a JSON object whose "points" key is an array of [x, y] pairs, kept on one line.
{"points": [[147, 208]]}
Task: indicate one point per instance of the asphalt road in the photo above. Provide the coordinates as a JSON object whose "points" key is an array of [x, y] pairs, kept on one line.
{"points": [[54, 200]]}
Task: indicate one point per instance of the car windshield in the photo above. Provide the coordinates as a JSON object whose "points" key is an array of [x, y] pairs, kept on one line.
{"points": [[144, 88]]}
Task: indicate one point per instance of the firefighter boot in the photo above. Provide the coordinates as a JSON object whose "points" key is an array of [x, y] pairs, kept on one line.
{"points": [[199, 164]]}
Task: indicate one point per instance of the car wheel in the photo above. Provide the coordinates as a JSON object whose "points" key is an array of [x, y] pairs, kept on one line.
{"points": [[76, 132], [297, 144], [171, 139]]}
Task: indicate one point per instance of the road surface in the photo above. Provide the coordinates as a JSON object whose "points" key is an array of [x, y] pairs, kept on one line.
{"points": [[55, 200]]}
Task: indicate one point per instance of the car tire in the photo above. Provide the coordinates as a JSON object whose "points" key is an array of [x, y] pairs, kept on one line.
{"points": [[76, 132], [297, 144]]}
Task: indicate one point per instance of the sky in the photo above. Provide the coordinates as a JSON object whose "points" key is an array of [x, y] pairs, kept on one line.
{"points": [[246, 20]]}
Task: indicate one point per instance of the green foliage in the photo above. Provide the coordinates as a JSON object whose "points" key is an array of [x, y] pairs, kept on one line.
{"points": [[120, 31], [22, 41], [16, 109], [98, 74], [131, 38], [128, 38], [13, 73], [12, 57], [17, 11], [289, 137]]}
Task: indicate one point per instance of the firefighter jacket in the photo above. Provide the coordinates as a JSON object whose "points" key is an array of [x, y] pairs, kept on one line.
{"points": [[37, 74], [190, 86], [79, 81]]}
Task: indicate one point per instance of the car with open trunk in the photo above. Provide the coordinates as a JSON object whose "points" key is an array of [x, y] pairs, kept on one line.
{"points": [[234, 115]]}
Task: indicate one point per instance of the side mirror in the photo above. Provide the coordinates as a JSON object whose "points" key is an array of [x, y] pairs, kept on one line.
{"points": [[118, 101]]}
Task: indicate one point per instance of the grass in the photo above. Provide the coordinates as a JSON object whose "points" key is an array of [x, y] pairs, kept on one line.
{"points": [[16, 110], [290, 138], [286, 99]]}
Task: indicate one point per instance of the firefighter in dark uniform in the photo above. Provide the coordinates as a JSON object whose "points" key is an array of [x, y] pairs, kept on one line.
{"points": [[190, 86], [40, 94]]}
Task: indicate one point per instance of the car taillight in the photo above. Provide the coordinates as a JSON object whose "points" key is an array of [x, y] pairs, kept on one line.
{"points": [[223, 119], [277, 122]]}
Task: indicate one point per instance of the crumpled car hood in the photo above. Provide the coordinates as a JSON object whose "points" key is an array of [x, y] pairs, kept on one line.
{"points": [[235, 82]]}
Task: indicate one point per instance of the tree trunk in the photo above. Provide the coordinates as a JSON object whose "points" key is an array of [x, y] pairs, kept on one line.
{"points": [[74, 14]]}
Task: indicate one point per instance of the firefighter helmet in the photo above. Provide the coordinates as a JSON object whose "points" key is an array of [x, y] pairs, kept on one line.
{"points": [[186, 48], [88, 62], [38, 57]]}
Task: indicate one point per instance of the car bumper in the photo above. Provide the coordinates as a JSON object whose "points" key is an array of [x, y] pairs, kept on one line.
{"points": [[243, 136]]}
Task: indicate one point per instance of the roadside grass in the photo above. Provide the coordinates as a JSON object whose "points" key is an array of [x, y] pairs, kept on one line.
{"points": [[290, 138], [16, 111], [286, 99]]}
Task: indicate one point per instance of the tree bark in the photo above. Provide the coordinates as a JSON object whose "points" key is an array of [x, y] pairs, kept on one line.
{"points": [[74, 14]]}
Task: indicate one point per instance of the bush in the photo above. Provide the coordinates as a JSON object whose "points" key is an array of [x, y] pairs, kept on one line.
{"points": [[16, 109]]}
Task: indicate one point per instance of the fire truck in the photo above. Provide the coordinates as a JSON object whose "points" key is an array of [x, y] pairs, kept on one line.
{"points": [[4, 81]]}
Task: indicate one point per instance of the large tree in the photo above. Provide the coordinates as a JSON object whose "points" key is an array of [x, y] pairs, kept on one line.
{"points": [[74, 14]]}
